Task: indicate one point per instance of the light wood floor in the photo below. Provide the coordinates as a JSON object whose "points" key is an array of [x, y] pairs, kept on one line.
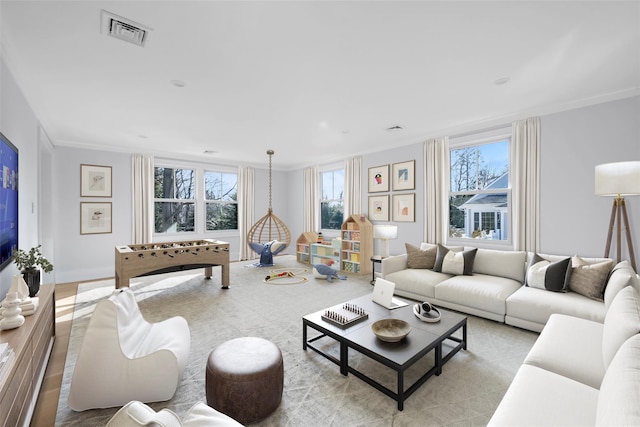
{"points": [[47, 405]]}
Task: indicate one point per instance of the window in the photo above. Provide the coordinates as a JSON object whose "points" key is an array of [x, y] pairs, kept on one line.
{"points": [[332, 201], [221, 200], [195, 200], [480, 194], [174, 200]]}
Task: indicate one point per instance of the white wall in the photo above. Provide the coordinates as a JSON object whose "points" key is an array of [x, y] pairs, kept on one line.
{"points": [[574, 220], [89, 256], [19, 123]]}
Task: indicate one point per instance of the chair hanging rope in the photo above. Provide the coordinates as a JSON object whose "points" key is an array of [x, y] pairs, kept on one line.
{"points": [[269, 227]]}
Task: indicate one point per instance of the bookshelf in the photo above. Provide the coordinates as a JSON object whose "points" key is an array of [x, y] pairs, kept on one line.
{"points": [[357, 245], [303, 246], [325, 254]]}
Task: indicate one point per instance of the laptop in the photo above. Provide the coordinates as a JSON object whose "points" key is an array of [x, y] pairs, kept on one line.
{"points": [[383, 294]]}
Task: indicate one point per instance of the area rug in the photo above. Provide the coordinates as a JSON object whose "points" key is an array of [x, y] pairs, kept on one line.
{"points": [[315, 394]]}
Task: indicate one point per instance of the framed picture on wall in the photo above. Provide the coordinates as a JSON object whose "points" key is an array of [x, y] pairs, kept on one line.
{"points": [[95, 181], [404, 207], [95, 218], [403, 175], [379, 208], [379, 179]]}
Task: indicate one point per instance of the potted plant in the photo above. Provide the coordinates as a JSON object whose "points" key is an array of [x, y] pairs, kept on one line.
{"points": [[29, 264]]}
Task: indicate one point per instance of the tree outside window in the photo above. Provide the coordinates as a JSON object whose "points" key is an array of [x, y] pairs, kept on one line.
{"points": [[221, 199], [174, 191], [332, 202], [479, 202]]}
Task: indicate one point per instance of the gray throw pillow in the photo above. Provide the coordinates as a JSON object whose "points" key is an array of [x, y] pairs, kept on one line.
{"points": [[589, 279], [418, 258], [552, 276]]}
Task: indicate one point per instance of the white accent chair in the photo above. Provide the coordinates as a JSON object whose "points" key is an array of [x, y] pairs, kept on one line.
{"points": [[123, 357], [135, 414]]}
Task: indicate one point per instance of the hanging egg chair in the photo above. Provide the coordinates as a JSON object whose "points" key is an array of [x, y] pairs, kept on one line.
{"points": [[269, 235]]}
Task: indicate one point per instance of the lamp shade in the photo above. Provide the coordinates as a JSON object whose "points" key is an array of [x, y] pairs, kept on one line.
{"points": [[385, 231], [620, 178]]}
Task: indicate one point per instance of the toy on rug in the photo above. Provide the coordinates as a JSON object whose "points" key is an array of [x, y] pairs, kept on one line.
{"points": [[324, 271], [267, 251], [276, 275]]}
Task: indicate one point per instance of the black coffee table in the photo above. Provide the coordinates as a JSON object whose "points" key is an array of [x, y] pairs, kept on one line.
{"points": [[398, 356]]}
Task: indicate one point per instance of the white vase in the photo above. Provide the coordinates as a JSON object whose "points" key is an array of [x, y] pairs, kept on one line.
{"points": [[19, 286], [11, 315]]}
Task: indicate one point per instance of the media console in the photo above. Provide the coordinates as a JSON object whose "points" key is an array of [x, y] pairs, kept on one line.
{"points": [[156, 258]]}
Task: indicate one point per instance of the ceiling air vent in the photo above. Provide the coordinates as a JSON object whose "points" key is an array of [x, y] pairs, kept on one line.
{"points": [[123, 29]]}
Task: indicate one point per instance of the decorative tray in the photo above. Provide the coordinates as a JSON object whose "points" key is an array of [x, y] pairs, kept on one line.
{"points": [[344, 315]]}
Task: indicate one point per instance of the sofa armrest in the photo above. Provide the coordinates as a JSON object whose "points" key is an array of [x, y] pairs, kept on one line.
{"points": [[392, 264]]}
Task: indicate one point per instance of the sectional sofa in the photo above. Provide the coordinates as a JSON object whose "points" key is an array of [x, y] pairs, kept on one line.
{"points": [[496, 285], [584, 368]]}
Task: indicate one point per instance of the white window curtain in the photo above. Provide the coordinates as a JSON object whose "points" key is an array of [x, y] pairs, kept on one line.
{"points": [[311, 200], [142, 198], [436, 184], [526, 184], [246, 207], [352, 186]]}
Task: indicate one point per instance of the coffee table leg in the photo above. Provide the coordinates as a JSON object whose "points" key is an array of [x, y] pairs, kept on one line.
{"points": [[400, 390], [438, 357], [344, 359], [464, 335], [304, 336]]}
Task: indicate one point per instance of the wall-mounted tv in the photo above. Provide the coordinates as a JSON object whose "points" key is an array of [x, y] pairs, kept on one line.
{"points": [[8, 201]]}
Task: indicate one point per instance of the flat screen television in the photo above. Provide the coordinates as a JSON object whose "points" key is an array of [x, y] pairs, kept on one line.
{"points": [[8, 201]]}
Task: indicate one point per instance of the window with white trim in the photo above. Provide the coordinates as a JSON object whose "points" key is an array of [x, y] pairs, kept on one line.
{"points": [[221, 200], [480, 191], [175, 200], [194, 200], [332, 199]]}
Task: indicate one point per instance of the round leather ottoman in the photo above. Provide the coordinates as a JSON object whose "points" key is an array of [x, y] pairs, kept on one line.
{"points": [[244, 378]]}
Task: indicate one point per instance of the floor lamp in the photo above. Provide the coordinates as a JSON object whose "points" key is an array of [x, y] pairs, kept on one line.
{"points": [[384, 233], [617, 180]]}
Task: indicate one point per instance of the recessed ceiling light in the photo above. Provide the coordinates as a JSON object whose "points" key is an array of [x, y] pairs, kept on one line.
{"points": [[178, 83], [501, 81]]}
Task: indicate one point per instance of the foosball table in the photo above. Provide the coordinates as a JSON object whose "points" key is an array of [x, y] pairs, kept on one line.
{"points": [[157, 258]]}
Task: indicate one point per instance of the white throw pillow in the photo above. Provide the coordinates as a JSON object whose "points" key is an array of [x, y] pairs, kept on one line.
{"points": [[551, 276]]}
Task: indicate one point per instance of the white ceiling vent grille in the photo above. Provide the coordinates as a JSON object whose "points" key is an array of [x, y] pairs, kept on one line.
{"points": [[123, 29]]}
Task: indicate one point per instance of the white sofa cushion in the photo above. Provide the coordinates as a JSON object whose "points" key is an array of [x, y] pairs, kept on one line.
{"points": [[509, 264], [619, 400], [482, 292], [416, 281], [621, 276], [536, 305], [571, 347], [538, 397], [621, 322]]}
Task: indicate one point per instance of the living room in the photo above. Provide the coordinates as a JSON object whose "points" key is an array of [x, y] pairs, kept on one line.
{"points": [[576, 135]]}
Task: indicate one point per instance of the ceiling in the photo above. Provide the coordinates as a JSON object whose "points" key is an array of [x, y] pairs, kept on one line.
{"points": [[316, 81]]}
